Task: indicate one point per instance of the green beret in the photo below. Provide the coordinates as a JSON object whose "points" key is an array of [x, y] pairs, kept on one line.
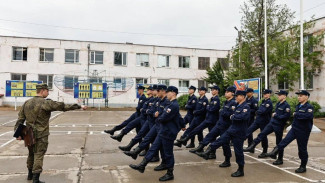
{"points": [[42, 86]]}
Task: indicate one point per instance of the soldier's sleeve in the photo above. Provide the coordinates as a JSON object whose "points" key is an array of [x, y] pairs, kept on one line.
{"points": [[168, 114], [266, 108], [50, 105], [242, 115], [202, 109], [285, 115], [142, 100], [192, 104], [21, 117], [214, 107], [152, 109], [229, 111], [307, 114], [255, 106]]}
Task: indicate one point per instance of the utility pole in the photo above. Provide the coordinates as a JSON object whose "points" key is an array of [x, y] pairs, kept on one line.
{"points": [[302, 83], [240, 47], [265, 46]]}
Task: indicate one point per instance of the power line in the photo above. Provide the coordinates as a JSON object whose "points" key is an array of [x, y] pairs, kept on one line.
{"points": [[315, 7], [110, 31]]}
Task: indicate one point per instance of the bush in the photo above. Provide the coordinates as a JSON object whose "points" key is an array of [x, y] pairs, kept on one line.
{"points": [[182, 100]]}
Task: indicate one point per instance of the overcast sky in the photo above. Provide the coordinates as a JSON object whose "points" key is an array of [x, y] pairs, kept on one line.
{"points": [[186, 23]]}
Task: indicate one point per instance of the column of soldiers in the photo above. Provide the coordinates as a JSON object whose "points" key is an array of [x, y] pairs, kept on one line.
{"points": [[158, 121]]}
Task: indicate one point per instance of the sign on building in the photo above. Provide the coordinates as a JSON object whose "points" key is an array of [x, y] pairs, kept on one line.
{"points": [[254, 83], [90, 90], [16, 88]]}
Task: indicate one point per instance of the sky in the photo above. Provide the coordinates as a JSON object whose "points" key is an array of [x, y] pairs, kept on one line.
{"points": [[184, 23]]}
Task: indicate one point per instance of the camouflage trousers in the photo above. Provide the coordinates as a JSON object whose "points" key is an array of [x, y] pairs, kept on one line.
{"points": [[36, 155]]}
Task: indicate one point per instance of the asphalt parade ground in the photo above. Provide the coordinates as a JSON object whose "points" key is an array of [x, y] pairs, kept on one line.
{"points": [[79, 152]]}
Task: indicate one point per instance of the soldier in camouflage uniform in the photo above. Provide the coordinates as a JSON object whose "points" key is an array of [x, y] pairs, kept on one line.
{"points": [[37, 112]]}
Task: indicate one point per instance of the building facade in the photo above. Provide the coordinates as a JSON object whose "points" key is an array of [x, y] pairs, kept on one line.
{"points": [[61, 63]]}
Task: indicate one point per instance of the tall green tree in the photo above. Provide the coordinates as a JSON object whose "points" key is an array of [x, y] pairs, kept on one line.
{"points": [[216, 76]]}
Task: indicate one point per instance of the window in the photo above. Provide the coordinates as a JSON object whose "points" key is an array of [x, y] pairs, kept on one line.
{"points": [[95, 80], [141, 81], [163, 82], [183, 62], [19, 53], [142, 59], [163, 61], [283, 84], [20, 77], [69, 81], [119, 84], [309, 81], [46, 55], [183, 85], [71, 56], [96, 57], [203, 83], [204, 63], [48, 79], [307, 42], [120, 58]]}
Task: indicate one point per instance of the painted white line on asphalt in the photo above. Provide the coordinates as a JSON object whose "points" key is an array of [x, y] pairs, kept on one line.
{"points": [[90, 133], [7, 143], [9, 122], [69, 132], [5, 133]]}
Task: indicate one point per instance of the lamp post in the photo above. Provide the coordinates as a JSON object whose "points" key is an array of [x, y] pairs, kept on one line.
{"points": [[239, 42]]}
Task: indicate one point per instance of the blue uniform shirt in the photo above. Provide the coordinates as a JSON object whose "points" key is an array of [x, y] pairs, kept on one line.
{"points": [[264, 112], [282, 113], [200, 107], [228, 109], [303, 117], [160, 106], [253, 103], [240, 120], [146, 106], [191, 103], [141, 101], [152, 109], [213, 110]]}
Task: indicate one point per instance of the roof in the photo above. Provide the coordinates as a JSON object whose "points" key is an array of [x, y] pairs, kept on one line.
{"points": [[127, 43]]}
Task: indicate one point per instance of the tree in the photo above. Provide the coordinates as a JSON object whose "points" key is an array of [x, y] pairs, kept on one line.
{"points": [[216, 76]]}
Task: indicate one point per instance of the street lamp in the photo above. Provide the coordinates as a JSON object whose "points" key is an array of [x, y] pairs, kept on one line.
{"points": [[239, 40]]}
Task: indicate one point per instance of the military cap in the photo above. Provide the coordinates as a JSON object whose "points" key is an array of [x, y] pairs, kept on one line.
{"points": [[267, 91], [42, 86], [215, 87], [172, 89], [203, 88], [162, 87], [240, 92], [140, 87], [282, 92], [303, 92], [192, 87], [231, 89], [154, 87], [249, 90], [150, 88]]}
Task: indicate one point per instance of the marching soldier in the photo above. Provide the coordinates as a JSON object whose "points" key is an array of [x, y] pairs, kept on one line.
{"points": [[37, 112], [253, 103], [190, 106]]}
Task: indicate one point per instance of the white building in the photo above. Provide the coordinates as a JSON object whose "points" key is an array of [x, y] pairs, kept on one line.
{"points": [[60, 63]]}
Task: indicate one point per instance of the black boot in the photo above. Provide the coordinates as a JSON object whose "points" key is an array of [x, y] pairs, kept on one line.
{"points": [[197, 149], [184, 140], [239, 172], [160, 167], [212, 154], [118, 137], [251, 148], [168, 176], [30, 174], [155, 159], [36, 178], [273, 154], [128, 147], [279, 161], [226, 163], [134, 153], [205, 154], [302, 168], [144, 152], [178, 144], [140, 167], [111, 131], [191, 145]]}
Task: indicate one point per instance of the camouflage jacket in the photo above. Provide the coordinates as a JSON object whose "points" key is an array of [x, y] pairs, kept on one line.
{"points": [[40, 108]]}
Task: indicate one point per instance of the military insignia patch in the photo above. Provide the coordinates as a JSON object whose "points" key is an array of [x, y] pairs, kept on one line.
{"points": [[256, 105], [244, 110], [233, 107], [140, 101], [288, 109], [204, 103], [168, 110], [193, 101], [267, 105], [215, 102], [310, 110]]}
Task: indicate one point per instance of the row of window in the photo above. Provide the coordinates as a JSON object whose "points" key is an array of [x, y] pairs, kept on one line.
{"points": [[309, 82], [120, 83], [97, 57]]}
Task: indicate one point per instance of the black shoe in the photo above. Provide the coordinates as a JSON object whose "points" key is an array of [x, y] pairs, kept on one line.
{"points": [[225, 164], [262, 155], [160, 167], [134, 153], [143, 153], [168, 176], [205, 155], [128, 147], [184, 140], [239, 172], [30, 174], [178, 144], [197, 149], [190, 145], [140, 167], [155, 159], [212, 155], [301, 169], [278, 162], [118, 137], [251, 148], [273, 154], [36, 178], [111, 132]]}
